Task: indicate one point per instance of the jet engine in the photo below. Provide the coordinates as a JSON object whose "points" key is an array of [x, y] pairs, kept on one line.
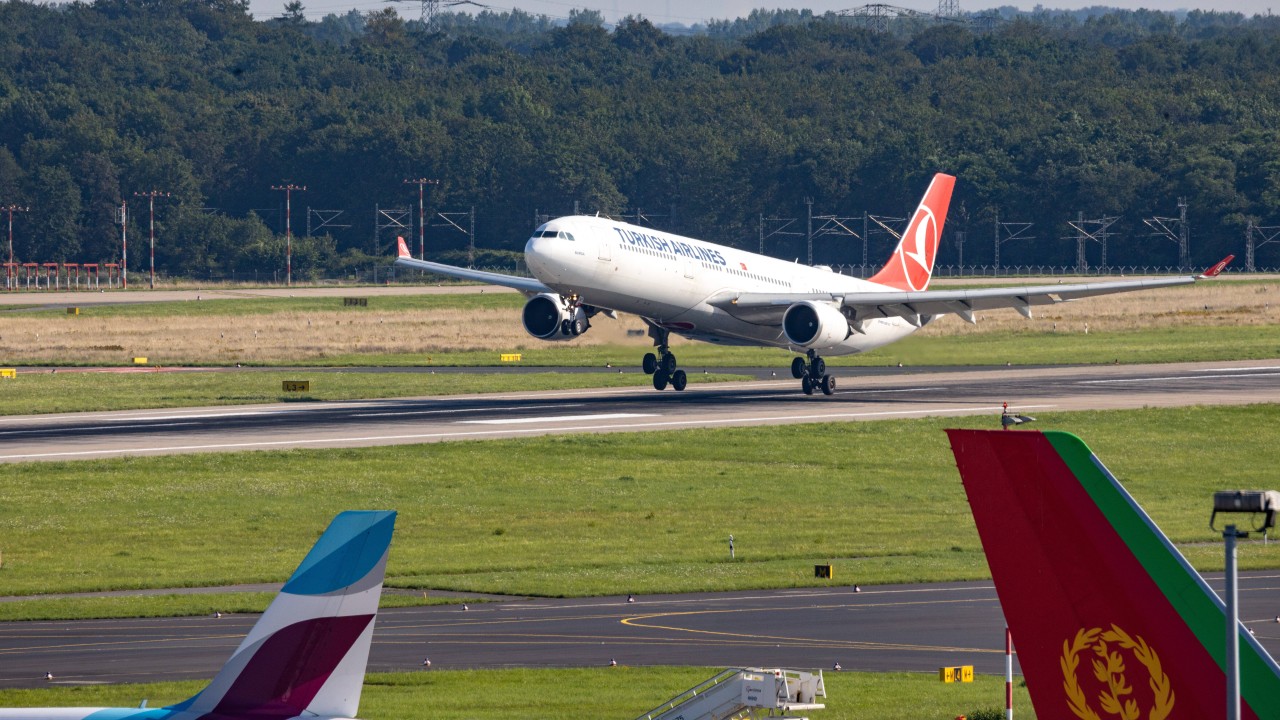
{"points": [[548, 317], [814, 325]]}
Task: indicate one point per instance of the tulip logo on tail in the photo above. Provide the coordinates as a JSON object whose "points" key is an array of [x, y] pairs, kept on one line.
{"points": [[911, 266], [403, 250]]}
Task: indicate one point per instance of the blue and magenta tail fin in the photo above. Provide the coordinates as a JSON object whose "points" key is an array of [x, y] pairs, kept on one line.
{"points": [[1108, 618], [307, 653]]}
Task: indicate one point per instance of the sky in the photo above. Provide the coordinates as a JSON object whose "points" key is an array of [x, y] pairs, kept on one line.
{"points": [[689, 13]]}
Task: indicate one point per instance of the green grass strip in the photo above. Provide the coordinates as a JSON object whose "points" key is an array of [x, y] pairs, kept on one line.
{"points": [[588, 515], [621, 693]]}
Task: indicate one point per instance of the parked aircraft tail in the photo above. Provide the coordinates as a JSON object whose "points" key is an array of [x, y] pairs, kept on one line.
{"points": [[307, 653], [402, 248], [911, 265], [1107, 617]]}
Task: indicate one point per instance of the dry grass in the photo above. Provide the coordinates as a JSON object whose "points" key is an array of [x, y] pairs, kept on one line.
{"points": [[277, 338], [301, 336], [1205, 304]]}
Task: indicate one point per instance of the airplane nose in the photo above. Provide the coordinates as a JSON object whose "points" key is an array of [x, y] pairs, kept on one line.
{"points": [[539, 257]]}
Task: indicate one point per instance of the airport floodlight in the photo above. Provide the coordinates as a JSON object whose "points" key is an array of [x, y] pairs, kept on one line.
{"points": [[1251, 502]]}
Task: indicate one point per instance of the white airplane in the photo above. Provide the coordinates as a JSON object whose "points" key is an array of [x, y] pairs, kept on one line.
{"points": [[305, 658], [584, 266]]}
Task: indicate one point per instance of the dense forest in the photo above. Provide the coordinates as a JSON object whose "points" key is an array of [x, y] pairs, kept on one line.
{"points": [[1044, 117]]}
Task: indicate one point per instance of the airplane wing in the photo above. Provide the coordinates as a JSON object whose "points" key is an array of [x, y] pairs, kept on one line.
{"points": [[768, 308], [528, 286]]}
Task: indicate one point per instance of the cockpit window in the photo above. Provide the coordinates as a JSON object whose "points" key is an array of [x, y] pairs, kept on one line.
{"points": [[553, 234]]}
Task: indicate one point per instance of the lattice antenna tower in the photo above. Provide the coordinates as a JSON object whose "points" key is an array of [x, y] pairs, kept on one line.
{"points": [[1268, 235], [1095, 230], [1161, 226], [948, 8], [1006, 231]]}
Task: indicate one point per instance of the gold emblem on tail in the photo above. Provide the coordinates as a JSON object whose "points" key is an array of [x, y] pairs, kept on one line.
{"points": [[1115, 698]]}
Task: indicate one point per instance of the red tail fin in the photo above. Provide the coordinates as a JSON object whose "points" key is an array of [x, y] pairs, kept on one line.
{"points": [[403, 249], [1106, 615], [911, 265]]}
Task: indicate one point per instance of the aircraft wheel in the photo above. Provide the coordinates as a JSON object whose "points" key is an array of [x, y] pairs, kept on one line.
{"points": [[828, 385], [679, 380], [819, 367], [797, 368], [578, 326], [806, 384], [669, 363], [660, 380], [565, 328], [650, 363]]}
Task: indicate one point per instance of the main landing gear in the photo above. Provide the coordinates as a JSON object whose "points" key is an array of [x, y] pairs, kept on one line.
{"points": [[662, 366], [813, 374]]}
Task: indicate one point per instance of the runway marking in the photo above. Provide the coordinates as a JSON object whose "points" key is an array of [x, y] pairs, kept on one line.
{"points": [[1238, 369], [637, 621], [940, 412], [461, 410], [556, 418], [1174, 377], [434, 623], [138, 641]]}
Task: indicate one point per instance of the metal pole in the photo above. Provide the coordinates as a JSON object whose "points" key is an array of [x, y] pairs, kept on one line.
{"points": [[288, 189], [9, 269], [1008, 674], [288, 240], [422, 218], [152, 198], [1229, 536], [809, 233], [124, 246]]}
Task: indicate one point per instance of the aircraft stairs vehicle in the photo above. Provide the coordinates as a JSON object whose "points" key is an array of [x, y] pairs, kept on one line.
{"points": [[738, 693]]}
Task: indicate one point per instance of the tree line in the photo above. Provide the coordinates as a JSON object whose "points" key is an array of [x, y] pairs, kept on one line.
{"points": [[1042, 116]]}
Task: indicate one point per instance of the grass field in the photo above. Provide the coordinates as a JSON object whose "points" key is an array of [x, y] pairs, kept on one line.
{"points": [[575, 693], [556, 516]]}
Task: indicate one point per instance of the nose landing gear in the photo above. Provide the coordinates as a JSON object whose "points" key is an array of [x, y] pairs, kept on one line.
{"points": [[813, 374]]}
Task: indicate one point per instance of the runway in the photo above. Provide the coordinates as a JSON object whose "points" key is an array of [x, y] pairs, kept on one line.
{"points": [[861, 395], [886, 628]]}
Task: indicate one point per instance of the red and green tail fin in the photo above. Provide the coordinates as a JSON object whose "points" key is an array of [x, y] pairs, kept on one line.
{"points": [[1108, 618]]}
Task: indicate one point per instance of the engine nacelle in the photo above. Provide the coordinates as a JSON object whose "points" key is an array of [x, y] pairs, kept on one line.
{"points": [[814, 325], [546, 317]]}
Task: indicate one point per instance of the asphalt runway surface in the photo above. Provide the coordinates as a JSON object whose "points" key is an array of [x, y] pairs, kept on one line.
{"points": [[861, 395], [885, 628]]}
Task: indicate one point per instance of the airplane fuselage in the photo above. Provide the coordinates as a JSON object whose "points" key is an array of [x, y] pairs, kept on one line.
{"points": [[670, 280]]}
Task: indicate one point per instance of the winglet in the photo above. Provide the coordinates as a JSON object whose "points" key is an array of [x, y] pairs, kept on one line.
{"points": [[1219, 267], [403, 248]]}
